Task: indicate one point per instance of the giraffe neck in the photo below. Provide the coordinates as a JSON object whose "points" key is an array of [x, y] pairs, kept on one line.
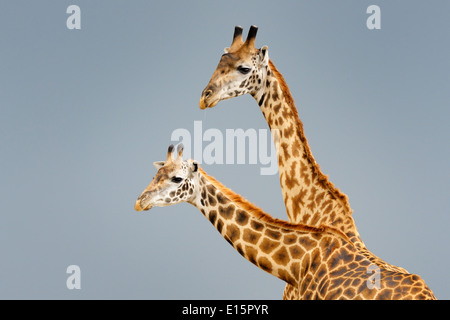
{"points": [[309, 196], [320, 262], [278, 247]]}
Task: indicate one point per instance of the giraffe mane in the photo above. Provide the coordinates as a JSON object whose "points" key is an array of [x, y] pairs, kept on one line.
{"points": [[323, 179], [260, 214]]}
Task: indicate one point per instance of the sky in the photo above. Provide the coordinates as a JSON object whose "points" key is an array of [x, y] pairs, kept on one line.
{"points": [[85, 112]]}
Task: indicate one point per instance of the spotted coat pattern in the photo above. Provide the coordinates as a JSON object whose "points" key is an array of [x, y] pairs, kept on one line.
{"points": [[309, 196], [320, 262]]}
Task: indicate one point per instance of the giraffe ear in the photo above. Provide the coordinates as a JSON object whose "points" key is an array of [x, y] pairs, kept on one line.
{"points": [[194, 166], [226, 50], [158, 164], [264, 55]]}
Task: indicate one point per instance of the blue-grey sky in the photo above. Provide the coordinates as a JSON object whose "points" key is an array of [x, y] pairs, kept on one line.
{"points": [[85, 113]]}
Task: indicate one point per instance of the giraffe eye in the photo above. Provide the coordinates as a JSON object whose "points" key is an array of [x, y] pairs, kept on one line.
{"points": [[243, 70], [177, 179]]}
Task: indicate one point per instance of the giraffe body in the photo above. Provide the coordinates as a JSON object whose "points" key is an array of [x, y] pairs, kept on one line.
{"points": [[320, 262], [309, 196]]}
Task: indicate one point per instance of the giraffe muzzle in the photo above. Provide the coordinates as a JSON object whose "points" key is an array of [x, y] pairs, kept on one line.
{"points": [[140, 203], [138, 207], [204, 105], [207, 99]]}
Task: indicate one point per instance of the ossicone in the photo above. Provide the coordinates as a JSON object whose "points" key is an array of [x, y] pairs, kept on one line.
{"points": [[250, 41], [238, 41]]}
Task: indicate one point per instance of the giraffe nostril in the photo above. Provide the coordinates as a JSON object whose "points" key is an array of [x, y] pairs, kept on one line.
{"points": [[208, 93]]}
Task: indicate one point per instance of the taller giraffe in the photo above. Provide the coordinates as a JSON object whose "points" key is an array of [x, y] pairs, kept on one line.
{"points": [[319, 261], [309, 196]]}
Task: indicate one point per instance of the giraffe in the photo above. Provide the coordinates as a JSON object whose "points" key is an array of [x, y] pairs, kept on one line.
{"points": [[319, 261], [309, 196]]}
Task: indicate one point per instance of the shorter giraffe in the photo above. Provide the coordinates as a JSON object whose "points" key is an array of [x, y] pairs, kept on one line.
{"points": [[320, 261]]}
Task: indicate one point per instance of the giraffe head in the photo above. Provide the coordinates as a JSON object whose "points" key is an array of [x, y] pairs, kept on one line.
{"points": [[174, 182], [241, 70]]}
